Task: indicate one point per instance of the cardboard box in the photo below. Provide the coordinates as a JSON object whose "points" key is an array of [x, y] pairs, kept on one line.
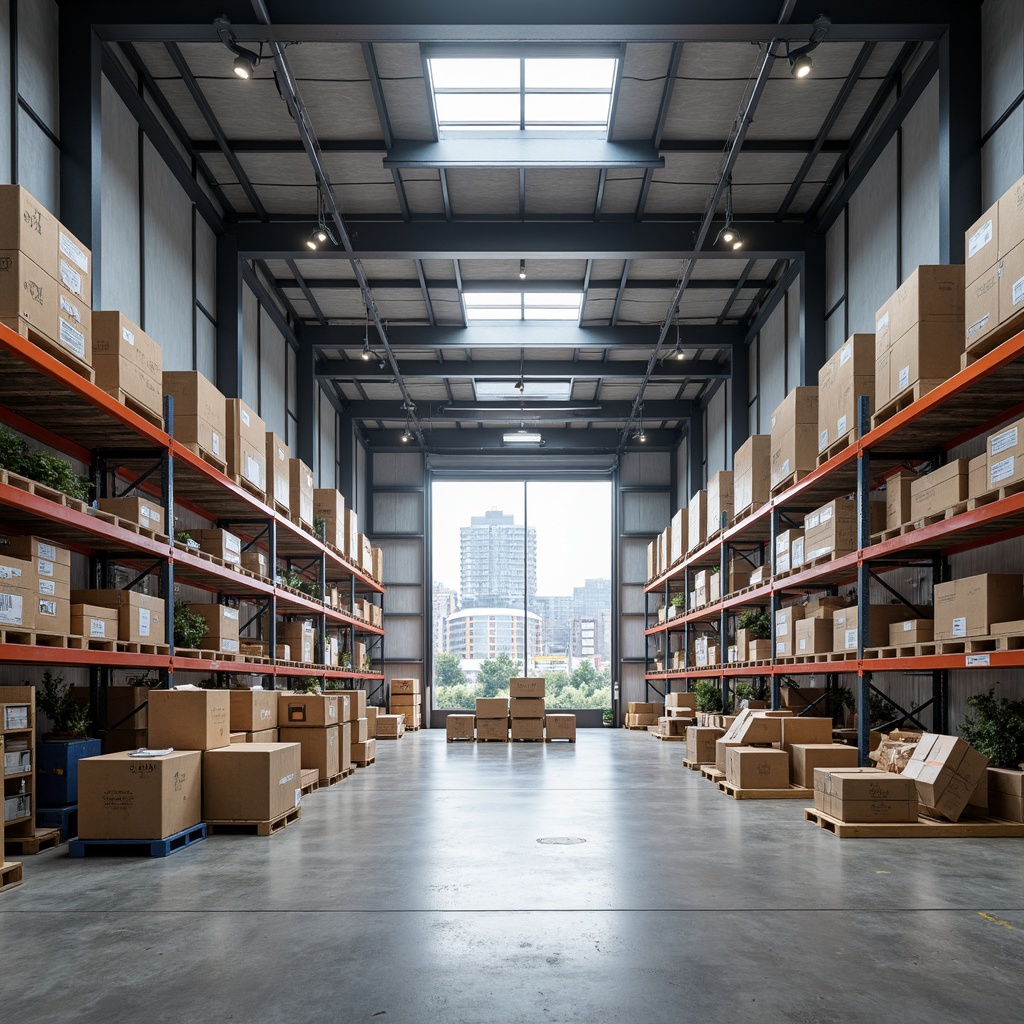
{"points": [[812, 636], [390, 725], [680, 532], [221, 544], [246, 447], [27, 225], [784, 544], [492, 728], [719, 501], [981, 305], [806, 757], [49, 559], [864, 795], [897, 498], [966, 608], [251, 781], [804, 729], [256, 561], [254, 710], [981, 244], [1006, 794], [141, 618], [460, 727], [221, 627], [357, 704], [406, 686], [345, 746], [364, 752], [527, 728], [526, 686], [278, 459], [371, 720], [757, 767], [527, 707], [127, 360], [28, 292], [491, 707], [351, 534], [329, 505], [125, 797], [405, 701], [360, 731], [1010, 219], [759, 650], [321, 748], [684, 701], [845, 626], [785, 629], [697, 520], [1005, 455], [930, 294], [831, 531], [946, 771], [189, 719], [144, 511], [847, 375], [74, 325], [307, 711], [664, 545], [200, 412], [794, 434], [653, 566], [928, 351], [560, 727], [346, 707], [797, 698], [977, 475], [638, 707], [752, 473], [300, 492], [934, 493], [73, 265], [94, 622], [700, 743], [911, 631], [299, 636]]}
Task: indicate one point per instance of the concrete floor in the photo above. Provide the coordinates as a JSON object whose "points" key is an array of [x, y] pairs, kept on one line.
{"points": [[416, 892]]}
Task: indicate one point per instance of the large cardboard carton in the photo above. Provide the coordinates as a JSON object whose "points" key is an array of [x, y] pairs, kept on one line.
{"points": [[751, 473], [221, 627], [845, 626], [73, 266], [74, 324], [189, 719], [278, 479], [697, 520], [307, 711], [17, 592], [360, 731], [928, 352], [1006, 794], [254, 710], [977, 475], [1005, 456], [719, 501], [251, 781], [527, 728], [221, 544], [831, 530], [1010, 220], [794, 427], [931, 294], [653, 563], [329, 505], [344, 746], [967, 608], [300, 492], [125, 797], [299, 635], [492, 729], [933, 494], [145, 511], [679, 537], [812, 636], [26, 225], [491, 707], [946, 771], [911, 631], [247, 448], [351, 535], [527, 707], [200, 412], [321, 748], [757, 767], [846, 376], [94, 622], [391, 726], [371, 720], [981, 244], [981, 306], [357, 704], [864, 795], [28, 293], [409, 685], [804, 729], [897, 498], [141, 618], [684, 701], [128, 362], [460, 727], [700, 743], [522, 686], [560, 727], [364, 752], [789, 550], [785, 629], [805, 757]]}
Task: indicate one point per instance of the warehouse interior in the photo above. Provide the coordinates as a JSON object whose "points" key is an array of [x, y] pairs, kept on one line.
{"points": [[458, 260]]}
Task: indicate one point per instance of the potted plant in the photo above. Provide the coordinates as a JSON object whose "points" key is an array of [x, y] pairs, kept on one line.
{"points": [[69, 718], [996, 729], [58, 754], [842, 703], [753, 624], [607, 718], [677, 605], [708, 694], [189, 627]]}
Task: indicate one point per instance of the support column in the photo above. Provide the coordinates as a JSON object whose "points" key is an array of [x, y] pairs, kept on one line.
{"points": [[81, 146], [959, 132], [812, 307], [695, 460], [347, 444], [229, 314], [739, 397], [307, 389]]}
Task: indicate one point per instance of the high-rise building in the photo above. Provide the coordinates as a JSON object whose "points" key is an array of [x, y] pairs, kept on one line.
{"points": [[494, 554], [446, 603], [481, 634], [556, 617]]}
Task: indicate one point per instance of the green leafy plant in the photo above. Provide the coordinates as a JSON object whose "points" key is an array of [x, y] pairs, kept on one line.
{"points": [[607, 717], [184, 537], [841, 698], [49, 470], [345, 659], [758, 690], [319, 527], [757, 622], [308, 684], [678, 601], [292, 578], [189, 626], [13, 451], [367, 665], [708, 694], [55, 700], [996, 728]]}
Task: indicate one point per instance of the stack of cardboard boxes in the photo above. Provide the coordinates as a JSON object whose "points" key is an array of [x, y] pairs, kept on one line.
{"points": [[313, 721], [751, 475], [128, 363], [492, 718], [407, 699], [247, 447], [641, 714], [794, 447], [363, 748], [141, 619], [35, 585], [846, 376], [527, 707], [254, 716], [460, 727], [222, 622], [390, 726], [200, 414]]}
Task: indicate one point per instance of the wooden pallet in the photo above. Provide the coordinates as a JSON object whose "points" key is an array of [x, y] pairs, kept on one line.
{"points": [[129, 525], [636, 728], [711, 773], [207, 456], [904, 401], [559, 739], [992, 340], [137, 407], [495, 739], [246, 484], [260, 828], [740, 514], [22, 483], [29, 846], [201, 655], [461, 739], [10, 875], [137, 847], [677, 739], [302, 525], [997, 494], [36, 638], [365, 764], [789, 793], [790, 481], [923, 828], [837, 446], [694, 766], [526, 739], [309, 788], [68, 358]]}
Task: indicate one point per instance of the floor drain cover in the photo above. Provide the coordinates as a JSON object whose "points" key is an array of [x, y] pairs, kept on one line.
{"points": [[561, 840]]}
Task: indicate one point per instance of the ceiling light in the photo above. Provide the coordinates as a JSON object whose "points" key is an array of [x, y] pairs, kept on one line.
{"points": [[520, 386], [641, 436], [383, 363], [800, 67], [366, 351], [522, 270], [678, 352], [522, 437], [246, 61], [313, 242], [321, 235], [405, 435], [800, 63], [243, 67], [737, 242], [729, 234]]}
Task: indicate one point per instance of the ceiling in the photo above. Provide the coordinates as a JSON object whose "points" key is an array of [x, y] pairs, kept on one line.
{"points": [[434, 220]]}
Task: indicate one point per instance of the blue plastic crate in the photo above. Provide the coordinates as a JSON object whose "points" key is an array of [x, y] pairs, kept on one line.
{"points": [[57, 769], [65, 818]]}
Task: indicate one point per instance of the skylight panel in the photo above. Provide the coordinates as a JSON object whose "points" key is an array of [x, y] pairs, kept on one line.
{"points": [[523, 305]]}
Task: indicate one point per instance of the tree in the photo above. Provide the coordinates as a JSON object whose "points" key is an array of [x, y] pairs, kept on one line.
{"points": [[448, 671], [457, 698], [494, 675], [585, 675]]}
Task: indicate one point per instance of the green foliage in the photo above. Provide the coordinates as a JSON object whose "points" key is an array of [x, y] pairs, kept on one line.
{"points": [[678, 601], [448, 671], [494, 675], [294, 579], [996, 728], [54, 699], [607, 717], [48, 470], [308, 684], [319, 527], [759, 689], [882, 709], [460, 697], [13, 451], [184, 537], [708, 694], [189, 626], [757, 622]]}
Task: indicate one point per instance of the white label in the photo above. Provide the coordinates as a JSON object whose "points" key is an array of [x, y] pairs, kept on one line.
{"points": [[840, 426], [1000, 442], [280, 454], [851, 639], [785, 468], [150, 513], [780, 648], [826, 514], [47, 551], [144, 622], [797, 551], [844, 354], [818, 552], [976, 660], [812, 520], [298, 797], [128, 336], [1018, 290], [245, 417], [1002, 470], [232, 543], [252, 469], [98, 628], [47, 607], [72, 339], [309, 480], [9, 572], [803, 644], [781, 628], [979, 239], [228, 646], [904, 378], [74, 252], [782, 563], [960, 626], [907, 627], [882, 324], [216, 443], [11, 610], [978, 325], [71, 279], [231, 614], [823, 439], [43, 567], [70, 308]]}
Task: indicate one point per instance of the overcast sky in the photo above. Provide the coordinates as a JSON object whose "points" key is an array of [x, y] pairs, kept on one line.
{"points": [[573, 522]]}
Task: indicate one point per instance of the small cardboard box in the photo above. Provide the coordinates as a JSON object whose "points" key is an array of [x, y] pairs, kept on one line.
{"points": [[405, 686], [492, 729], [144, 511], [805, 757], [1006, 794], [254, 710], [794, 426], [72, 262], [864, 795], [221, 544], [200, 412], [1005, 453], [365, 751], [189, 719], [722, 747], [784, 544], [74, 324], [390, 725], [751, 473], [831, 530], [981, 244], [812, 636], [700, 743], [127, 360], [685, 701], [256, 561], [261, 736], [251, 781], [27, 225], [300, 492], [527, 707], [897, 498], [911, 631], [278, 480], [803, 729], [759, 650], [977, 475], [638, 707], [460, 727], [321, 748], [125, 797], [785, 629], [719, 501], [307, 711], [933, 494], [141, 618], [94, 622], [697, 520], [28, 293], [299, 636], [524, 686], [360, 731], [946, 771], [847, 375], [329, 505], [560, 726], [491, 707], [757, 767], [247, 444], [527, 728], [967, 608]]}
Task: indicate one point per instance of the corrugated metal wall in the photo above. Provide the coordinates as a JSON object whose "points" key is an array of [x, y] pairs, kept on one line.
{"points": [[1002, 80]]}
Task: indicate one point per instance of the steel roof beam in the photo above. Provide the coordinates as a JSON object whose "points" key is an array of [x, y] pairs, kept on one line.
{"points": [[556, 439], [509, 369], [522, 150], [513, 287], [577, 411]]}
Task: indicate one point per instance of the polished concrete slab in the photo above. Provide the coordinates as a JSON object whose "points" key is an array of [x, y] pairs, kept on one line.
{"points": [[417, 891]]}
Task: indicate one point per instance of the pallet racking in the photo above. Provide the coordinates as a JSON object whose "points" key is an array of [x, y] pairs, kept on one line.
{"points": [[982, 395]]}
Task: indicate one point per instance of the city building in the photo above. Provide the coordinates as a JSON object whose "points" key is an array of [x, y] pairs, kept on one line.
{"points": [[496, 557]]}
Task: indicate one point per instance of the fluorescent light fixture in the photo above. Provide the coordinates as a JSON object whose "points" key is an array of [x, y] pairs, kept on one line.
{"points": [[522, 437], [506, 390]]}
